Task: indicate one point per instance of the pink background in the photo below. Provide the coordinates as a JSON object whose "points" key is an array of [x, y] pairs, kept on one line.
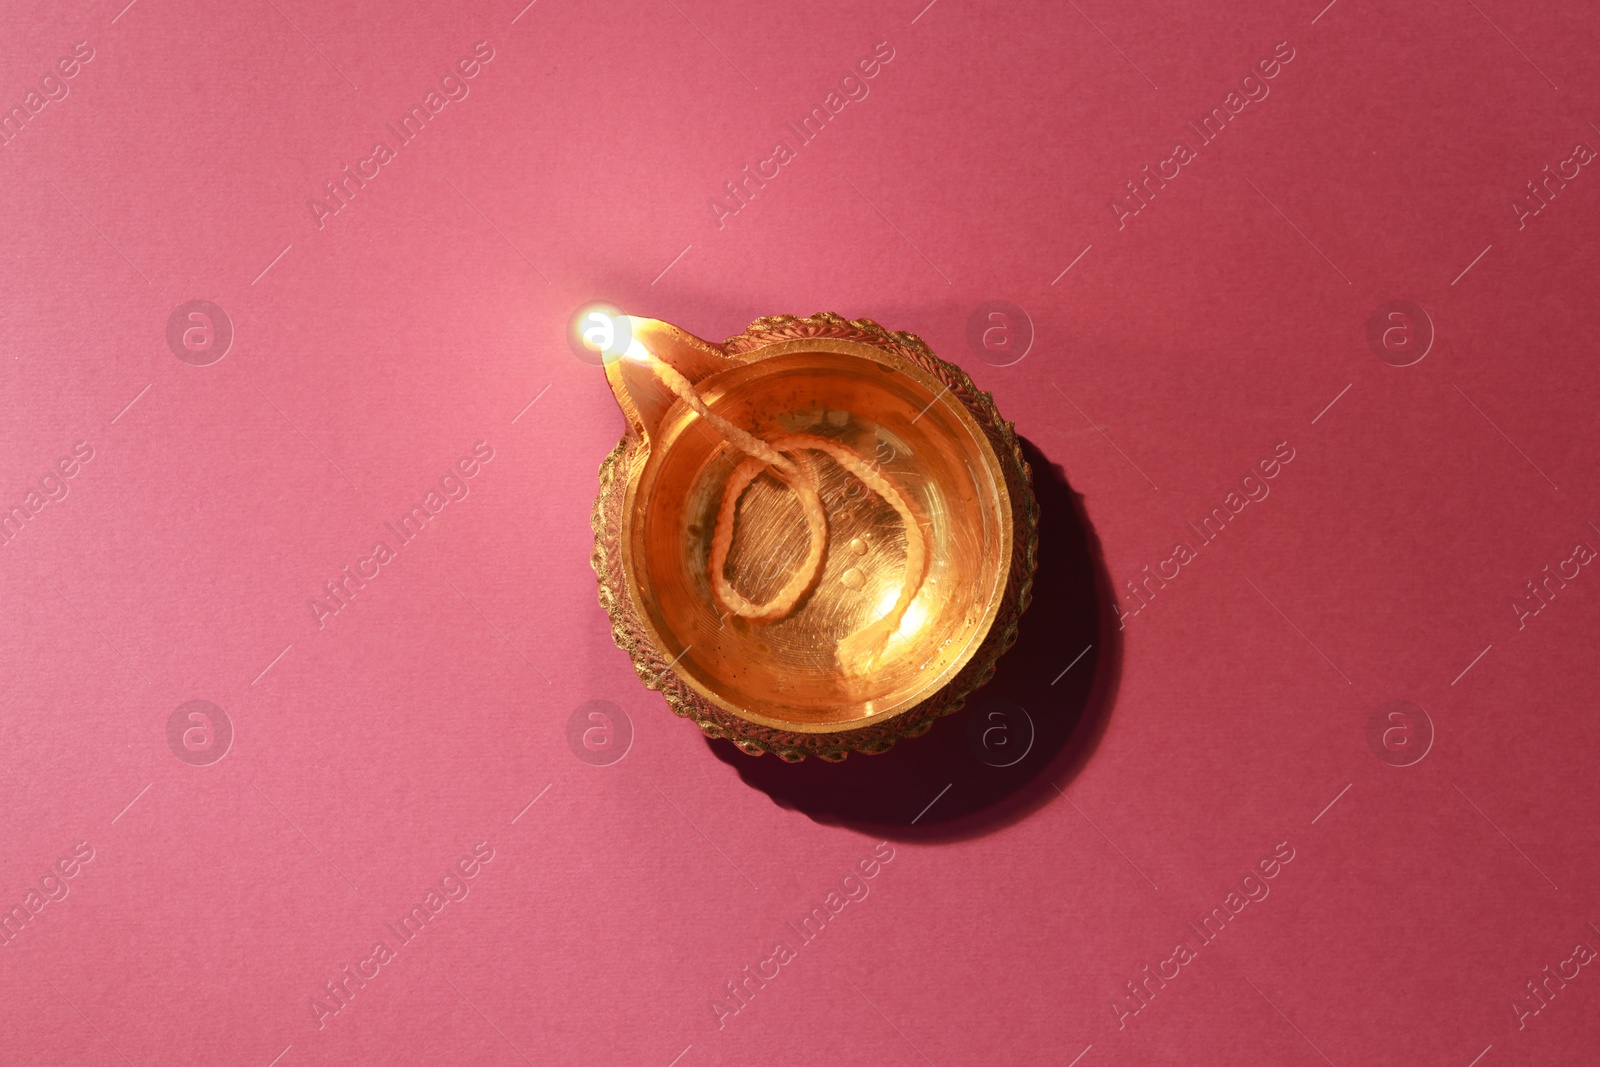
{"points": [[372, 353]]}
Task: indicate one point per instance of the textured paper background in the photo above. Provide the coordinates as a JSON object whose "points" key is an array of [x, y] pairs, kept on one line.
{"points": [[1174, 349]]}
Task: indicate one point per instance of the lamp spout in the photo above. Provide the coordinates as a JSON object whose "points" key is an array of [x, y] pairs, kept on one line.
{"points": [[638, 389]]}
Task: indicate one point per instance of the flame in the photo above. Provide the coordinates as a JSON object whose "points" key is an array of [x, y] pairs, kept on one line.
{"points": [[608, 333]]}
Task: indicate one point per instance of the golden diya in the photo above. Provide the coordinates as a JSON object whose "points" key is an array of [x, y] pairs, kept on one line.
{"points": [[814, 538]]}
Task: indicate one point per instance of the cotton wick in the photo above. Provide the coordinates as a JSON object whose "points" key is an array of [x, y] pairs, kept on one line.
{"points": [[785, 456]]}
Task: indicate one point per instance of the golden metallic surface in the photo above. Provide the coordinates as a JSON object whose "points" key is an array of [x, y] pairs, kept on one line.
{"points": [[781, 686]]}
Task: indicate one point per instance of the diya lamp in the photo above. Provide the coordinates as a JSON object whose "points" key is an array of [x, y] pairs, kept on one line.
{"points": [[815, 538]]}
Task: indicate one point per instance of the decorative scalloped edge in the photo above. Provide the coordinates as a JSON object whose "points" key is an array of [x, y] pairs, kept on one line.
{"points": [[653, 668]]}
